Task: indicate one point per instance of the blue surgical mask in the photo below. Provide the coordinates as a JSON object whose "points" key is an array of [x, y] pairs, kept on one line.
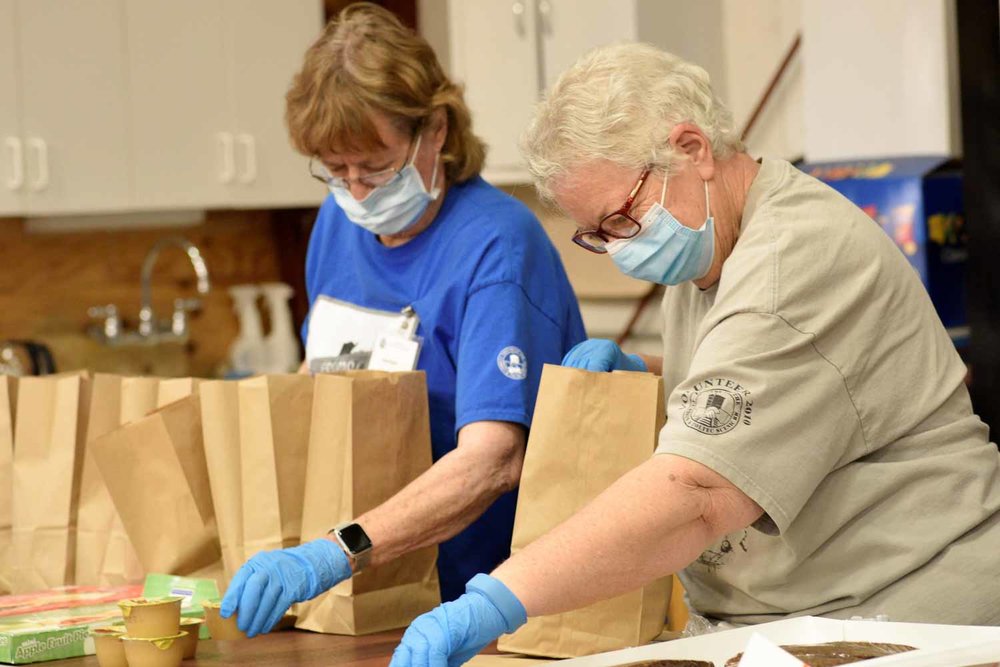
{"points": [[394, 207], [665, 251]]}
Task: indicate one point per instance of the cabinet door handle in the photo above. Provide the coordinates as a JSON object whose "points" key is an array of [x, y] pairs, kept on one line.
{"points": [[517, 9], [250, 158], [228, 171], [545, 16], [16, 180], [42, 153]]}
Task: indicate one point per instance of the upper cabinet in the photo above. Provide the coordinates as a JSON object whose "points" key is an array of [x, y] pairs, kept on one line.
{"points": [[64, 122], [208, 102], [508, 52], [182, 129], [118, 105], [266, 46], [12, 177]]}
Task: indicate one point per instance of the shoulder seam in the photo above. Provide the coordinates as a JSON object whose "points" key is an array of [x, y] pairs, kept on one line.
{"points": [[847, 387], [520, 287]]}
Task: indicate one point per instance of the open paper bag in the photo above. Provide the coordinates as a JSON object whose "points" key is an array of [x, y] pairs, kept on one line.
{"points": [[8, 386], [156, 472], [49, 437], [256, 435], [588, 430], [104, 554], [370, 438]]}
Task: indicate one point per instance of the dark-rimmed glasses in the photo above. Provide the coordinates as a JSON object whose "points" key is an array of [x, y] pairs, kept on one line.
{"points": [[617, 225], [376, 179]]}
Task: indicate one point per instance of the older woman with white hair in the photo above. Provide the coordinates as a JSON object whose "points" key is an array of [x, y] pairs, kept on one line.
{"points": [[820, 454]]}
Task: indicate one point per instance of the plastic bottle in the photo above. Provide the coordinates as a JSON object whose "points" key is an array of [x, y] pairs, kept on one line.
{"points": [[247, 355], [281, 345]]}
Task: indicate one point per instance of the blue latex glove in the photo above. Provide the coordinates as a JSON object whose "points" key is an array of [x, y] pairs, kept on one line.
{"points": [[597, 354], [454, 632], [272, 581]]}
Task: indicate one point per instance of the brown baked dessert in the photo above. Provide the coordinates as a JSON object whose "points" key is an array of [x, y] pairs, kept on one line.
{"points": [[831, 654], [669, 663]]}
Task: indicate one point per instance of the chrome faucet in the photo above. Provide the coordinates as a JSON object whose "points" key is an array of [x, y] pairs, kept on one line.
{"points": [[178, 326], [151, 331]]}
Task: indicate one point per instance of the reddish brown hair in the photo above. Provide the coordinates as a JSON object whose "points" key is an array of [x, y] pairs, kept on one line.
{"points": [[367, 61]]}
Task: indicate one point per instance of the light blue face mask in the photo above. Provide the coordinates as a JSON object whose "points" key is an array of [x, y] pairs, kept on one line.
{"points": [[665, 251], [394, 207]]}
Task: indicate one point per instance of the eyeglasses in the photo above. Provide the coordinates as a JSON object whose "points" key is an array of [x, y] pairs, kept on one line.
{"points": [[376, 179], [617, 225]]}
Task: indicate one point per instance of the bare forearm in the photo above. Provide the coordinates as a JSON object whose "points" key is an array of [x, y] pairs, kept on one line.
{"points": [[450, 495], [648, 524]]}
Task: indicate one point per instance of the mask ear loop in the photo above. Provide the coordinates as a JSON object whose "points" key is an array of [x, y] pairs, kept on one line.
{"points": [[437, 160], [663, 191], [708, 210]]}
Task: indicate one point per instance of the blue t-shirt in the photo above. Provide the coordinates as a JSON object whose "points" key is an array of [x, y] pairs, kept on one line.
{"points": [[494, 305]]}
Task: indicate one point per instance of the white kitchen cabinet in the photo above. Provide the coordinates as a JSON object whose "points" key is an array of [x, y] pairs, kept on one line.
{"points": [[267, 40], [182, 129], [127, 105], [893, 91], [12, 163], [507, 53], [494, 55], [208, 101], [71, 62]]}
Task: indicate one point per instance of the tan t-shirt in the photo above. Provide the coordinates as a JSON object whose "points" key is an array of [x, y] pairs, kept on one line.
{"points": [[817, 377]]}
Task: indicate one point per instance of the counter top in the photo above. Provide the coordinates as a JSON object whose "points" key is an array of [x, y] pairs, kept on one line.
{"points": [[291, 648]]}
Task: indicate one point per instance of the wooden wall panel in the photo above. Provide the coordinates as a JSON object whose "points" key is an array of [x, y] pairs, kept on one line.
{"points": [[48, 281]]}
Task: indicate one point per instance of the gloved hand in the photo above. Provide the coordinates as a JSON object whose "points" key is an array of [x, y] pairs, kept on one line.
{"points": [[455, 631], [597, 354], [272, 581]]}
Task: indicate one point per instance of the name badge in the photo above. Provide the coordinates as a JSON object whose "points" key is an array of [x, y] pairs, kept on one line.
{"points": [[395, 353]]}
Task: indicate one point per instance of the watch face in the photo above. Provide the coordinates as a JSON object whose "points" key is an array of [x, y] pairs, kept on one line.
{"points": [[355, 538]]}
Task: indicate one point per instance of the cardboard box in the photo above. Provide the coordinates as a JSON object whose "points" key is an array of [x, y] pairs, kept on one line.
{"points": [[719, 647], [56, 624], [918, 202]]}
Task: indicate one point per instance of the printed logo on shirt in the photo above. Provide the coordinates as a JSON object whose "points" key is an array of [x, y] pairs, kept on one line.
{"points": [[715, 557], [716, 406], [513, 363]]}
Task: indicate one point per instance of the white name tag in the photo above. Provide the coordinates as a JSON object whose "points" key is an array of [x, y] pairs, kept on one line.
{"points": [[395, 353]]}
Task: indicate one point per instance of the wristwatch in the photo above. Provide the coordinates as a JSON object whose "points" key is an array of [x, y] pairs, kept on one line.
{"points": [[355, 542]]}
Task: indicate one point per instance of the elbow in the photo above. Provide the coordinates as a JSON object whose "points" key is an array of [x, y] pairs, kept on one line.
{"points": [[726, 511], [509, 473]]}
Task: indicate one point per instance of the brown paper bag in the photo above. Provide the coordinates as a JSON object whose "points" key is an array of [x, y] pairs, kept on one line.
{"points": [[370, 438], [49, 438], [156, 472], [7, 384], [104, 554], [588, 430], [174, 389], [274, 414], [256, 438], [220, 426]]}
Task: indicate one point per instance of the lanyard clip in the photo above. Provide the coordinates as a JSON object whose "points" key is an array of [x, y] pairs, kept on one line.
{"points": [[408, 325]]}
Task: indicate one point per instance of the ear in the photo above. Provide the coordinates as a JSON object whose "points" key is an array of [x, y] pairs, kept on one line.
{"points": [[691, 142], [438, 126]]}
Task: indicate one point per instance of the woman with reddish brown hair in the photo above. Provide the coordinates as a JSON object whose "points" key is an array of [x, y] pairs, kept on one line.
{"points": [[412, 238]]}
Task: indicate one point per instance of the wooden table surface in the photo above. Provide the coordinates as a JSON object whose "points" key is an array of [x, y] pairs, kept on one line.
{"points": [[294, 648]]}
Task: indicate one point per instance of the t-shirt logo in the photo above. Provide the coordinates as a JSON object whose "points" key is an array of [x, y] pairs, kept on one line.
{"points": [[716, 406], [513, 363]]}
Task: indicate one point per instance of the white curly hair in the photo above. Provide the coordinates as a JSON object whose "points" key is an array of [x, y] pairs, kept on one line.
{"points": [[619, 103]]}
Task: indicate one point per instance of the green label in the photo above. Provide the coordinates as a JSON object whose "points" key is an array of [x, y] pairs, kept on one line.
{"points": [[50, 645]]}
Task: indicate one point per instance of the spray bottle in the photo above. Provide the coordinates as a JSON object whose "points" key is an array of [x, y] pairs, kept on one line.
{"points": [[281, 345], [246, 355]]}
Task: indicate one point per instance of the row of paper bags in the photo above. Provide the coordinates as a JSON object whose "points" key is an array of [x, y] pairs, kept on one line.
{"points": [[103, 490]]}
